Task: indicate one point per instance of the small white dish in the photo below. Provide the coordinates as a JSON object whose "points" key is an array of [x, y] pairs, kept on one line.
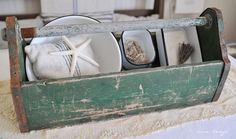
{"points": [[104, 45], [144, 39], [168, 41]]}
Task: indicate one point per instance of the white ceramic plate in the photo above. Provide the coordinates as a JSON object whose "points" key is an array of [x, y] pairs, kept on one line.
{"points": [[105, 47]]}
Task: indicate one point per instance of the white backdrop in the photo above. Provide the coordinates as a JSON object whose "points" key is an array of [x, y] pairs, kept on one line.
{"points": [[19, 7], [33, 6]]}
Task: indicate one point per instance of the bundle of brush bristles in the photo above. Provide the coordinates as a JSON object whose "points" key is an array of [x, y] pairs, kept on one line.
{"points": [[185, 51]]}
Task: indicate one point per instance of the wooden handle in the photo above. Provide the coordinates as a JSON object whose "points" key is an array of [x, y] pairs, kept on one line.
{"points": [[60, 30], [63, 30]]}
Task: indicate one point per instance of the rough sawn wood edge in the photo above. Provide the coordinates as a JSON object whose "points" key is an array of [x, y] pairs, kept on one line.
{"points": [[14, 44]]}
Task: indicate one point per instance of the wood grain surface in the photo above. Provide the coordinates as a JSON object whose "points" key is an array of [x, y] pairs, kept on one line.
{"points": [[123, 127]]}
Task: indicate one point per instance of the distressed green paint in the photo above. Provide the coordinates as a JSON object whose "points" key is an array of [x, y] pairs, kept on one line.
{"points": [[71, 101]]}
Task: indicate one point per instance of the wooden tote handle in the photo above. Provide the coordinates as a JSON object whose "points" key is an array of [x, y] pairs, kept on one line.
{"points": [[60, 30]]}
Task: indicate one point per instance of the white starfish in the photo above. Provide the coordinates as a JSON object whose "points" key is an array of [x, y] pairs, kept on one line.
{"points": [[75, 52]]}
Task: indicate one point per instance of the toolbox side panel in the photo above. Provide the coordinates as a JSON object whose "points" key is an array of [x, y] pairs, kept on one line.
{"points": [[212, 43], [209, 36], [67, 102]]}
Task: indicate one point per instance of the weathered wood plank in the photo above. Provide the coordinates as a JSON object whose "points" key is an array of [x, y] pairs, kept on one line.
{"points": [[15, 45], [78, 100], [17, 70]]}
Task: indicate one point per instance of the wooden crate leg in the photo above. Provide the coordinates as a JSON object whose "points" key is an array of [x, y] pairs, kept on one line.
{"points": [[16, 69]]}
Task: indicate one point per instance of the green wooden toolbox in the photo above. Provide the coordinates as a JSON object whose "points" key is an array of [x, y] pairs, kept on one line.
{"points": [[51, 103]]}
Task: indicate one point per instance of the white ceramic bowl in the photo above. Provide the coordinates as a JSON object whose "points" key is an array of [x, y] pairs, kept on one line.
{"points": [[144, 38], [105, 47]]}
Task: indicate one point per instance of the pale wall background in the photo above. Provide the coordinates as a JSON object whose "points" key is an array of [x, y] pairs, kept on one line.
{"points": [[228, 8]]}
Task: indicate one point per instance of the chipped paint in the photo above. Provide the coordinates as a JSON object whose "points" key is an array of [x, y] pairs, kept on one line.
{"points": [[83, 110], [209, 80], [73, 101], [141, 88], [53, 106], [135, 105], [108, 113], [203, 91], [121, 114], [95, 112], [191, 70], [85, 100], [117, 83], [169, 91]]}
